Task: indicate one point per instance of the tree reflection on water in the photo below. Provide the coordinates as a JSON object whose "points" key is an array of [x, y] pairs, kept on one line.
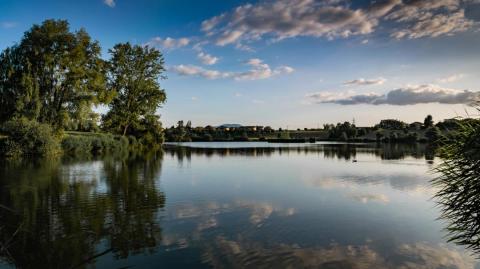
{"points": [[59, 214], [330, 151]]}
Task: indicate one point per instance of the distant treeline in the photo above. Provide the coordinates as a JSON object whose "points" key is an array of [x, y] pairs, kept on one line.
{"points": [[389, 130], [53, 78]]}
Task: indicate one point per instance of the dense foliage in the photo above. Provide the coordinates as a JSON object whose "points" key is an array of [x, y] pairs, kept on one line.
{"points": [[52, 75], [391, 124], [27, 137], [185, 132], [133, 74], [51, 80], [342, 131]]}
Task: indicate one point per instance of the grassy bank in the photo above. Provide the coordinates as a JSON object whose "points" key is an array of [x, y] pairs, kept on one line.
{"points": [[33, 139], [94, 143]]}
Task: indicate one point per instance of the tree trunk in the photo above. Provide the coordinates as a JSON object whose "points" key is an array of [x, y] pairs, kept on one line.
{"points": [[125, 130]]}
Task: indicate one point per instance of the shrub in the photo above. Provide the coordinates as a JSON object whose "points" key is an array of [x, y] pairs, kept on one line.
{"points": [[94, 143], [26, 137], [76, 144]]}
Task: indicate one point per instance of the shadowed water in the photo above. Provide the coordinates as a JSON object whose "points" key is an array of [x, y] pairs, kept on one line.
{"points": [[235, 205]]}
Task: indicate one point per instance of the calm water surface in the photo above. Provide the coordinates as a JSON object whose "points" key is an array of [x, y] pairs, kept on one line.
{"points": [[227, 205]]}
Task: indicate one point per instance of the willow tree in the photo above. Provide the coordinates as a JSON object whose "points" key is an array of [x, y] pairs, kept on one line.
{"points": [[51, 74], [133, 74]]}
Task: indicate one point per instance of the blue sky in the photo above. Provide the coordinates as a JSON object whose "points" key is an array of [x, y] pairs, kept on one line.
{"points": [[295, 63]]}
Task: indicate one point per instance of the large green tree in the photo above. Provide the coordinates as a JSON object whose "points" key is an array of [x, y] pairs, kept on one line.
{"points": [[133, 74], [51, 75]]}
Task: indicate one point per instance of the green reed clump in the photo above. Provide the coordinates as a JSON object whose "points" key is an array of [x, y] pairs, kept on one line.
{"points": [[26, 137], [458, 181], [94, 143]]}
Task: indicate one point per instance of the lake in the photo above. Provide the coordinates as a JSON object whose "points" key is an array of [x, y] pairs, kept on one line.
{"points": [[228, 205]]}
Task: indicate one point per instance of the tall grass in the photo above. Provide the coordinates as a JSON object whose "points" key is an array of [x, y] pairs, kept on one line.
{"points": [[94, 143], [458, 182]]}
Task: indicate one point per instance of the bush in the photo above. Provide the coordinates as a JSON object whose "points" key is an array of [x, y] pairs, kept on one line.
{"points": [[94, 143], [76, 144], [26, 137]]}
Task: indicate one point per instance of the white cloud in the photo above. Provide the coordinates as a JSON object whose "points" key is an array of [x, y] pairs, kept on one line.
{"points": [[435, 25], [452, 78], [209, 24], [168, 43], [259, 70], [110, 3], [429, 18], [229, 37], [284, 70], [364, 82], [409, 95], [336, 19], [207, 59], [285, 19], [192, 70]]}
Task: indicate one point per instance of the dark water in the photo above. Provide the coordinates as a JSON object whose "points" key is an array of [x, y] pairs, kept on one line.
{"points": [[237, 205]]}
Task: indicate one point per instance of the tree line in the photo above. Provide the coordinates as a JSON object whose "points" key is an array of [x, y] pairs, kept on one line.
{"points": [[388, 130], [53, 78]]}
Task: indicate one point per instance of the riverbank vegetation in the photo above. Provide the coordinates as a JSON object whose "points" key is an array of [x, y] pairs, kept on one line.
{"points": [[51, 81], [458, 182], [386, 131]]}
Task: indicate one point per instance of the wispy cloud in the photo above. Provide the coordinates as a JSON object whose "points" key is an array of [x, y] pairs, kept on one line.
{"points": [[261, 70], [258, 70], [110, 3], [429, 18], [364, 82], [168, 43], [192, 70], [411, 95], [336, 19], [451, 78], [207, 59]]}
